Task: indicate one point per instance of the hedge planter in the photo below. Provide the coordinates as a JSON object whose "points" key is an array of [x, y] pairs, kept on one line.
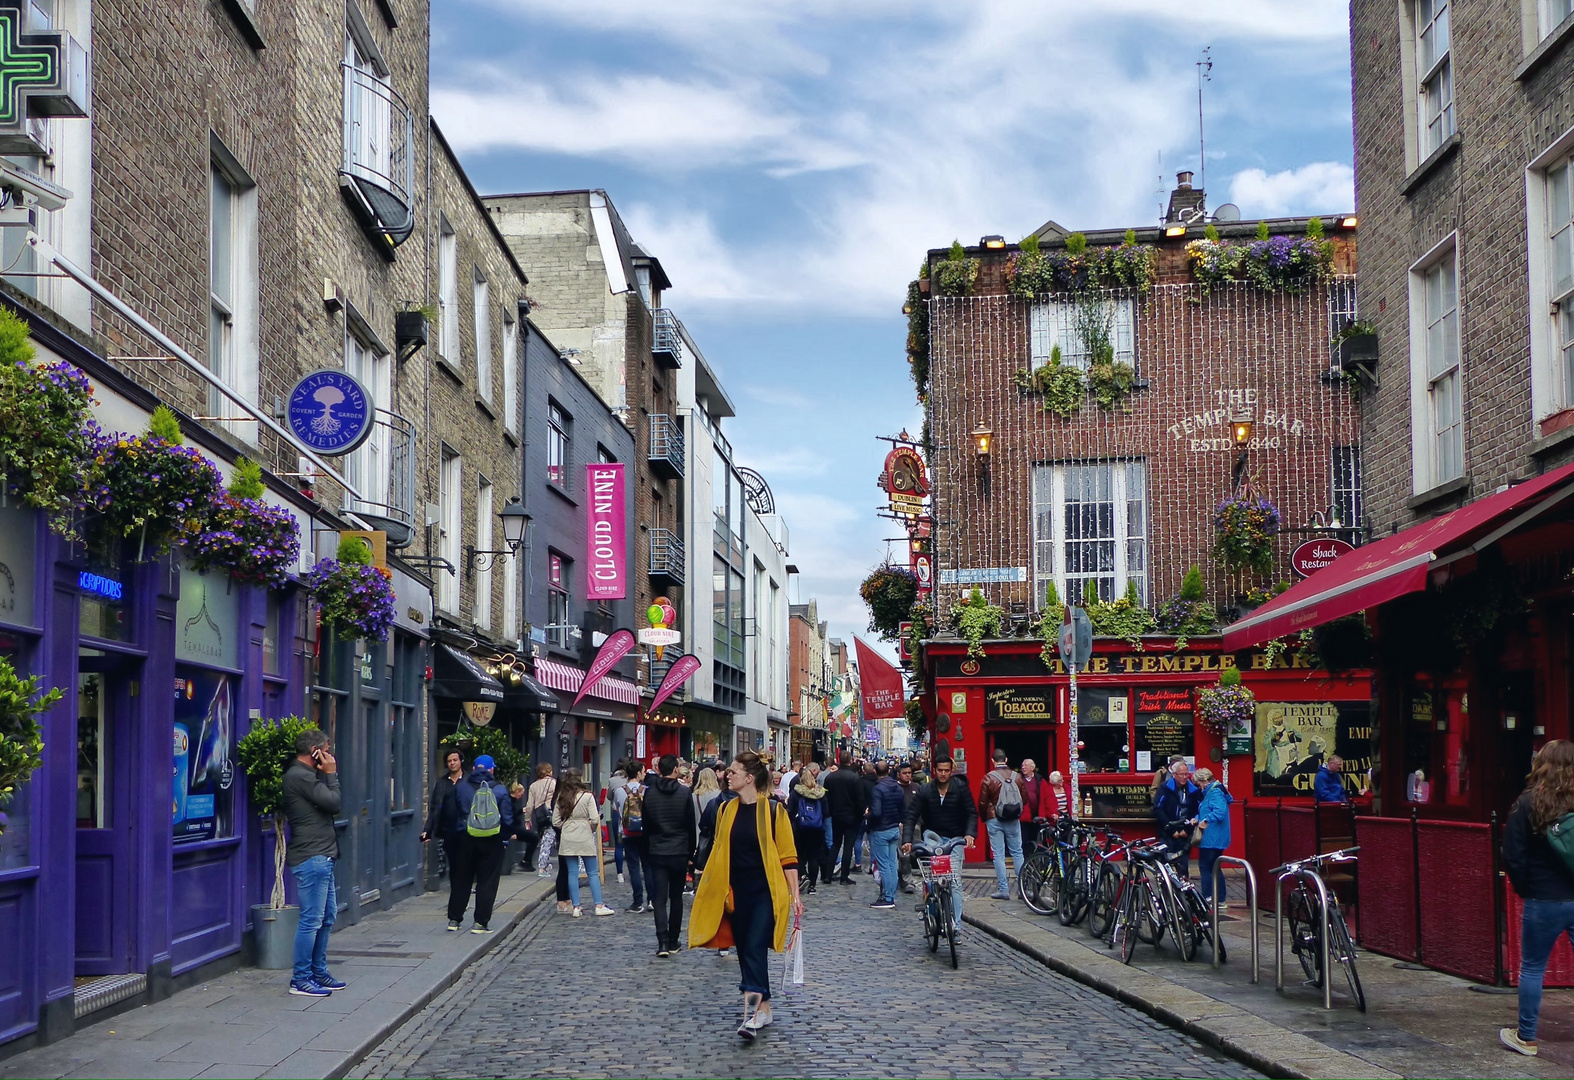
{"points": [[1358, 350]]}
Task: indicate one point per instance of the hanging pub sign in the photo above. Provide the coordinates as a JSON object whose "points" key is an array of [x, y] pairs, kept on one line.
{"points": [[1313, 555], [906, 480], [330, 411], [1020, 705], [480, 713], [606, 532], [924, 570]]}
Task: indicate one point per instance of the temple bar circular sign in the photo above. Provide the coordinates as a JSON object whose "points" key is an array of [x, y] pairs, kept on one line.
{"points": [[330, 411], [1020, 705]]}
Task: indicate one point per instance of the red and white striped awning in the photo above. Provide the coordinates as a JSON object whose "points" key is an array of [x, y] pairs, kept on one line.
{"points": [[570, 678]]}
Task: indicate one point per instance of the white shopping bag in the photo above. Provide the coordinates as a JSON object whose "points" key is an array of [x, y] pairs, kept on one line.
{"points": [[792, 963]]}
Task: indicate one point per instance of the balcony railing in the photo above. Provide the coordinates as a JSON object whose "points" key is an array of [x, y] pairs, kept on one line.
{"points": [[668, 346], [666, 556], [666, 446], [389, 505], [379, 153]]}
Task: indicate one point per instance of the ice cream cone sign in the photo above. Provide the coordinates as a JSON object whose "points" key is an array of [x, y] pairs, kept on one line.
{"points": [[661, 616]]}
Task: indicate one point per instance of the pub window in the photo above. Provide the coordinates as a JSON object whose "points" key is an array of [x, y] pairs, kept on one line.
{"points": [[1435, 73], [1104, 731], [1090, 524], [1342, 311], [558, 586], [1162, 721], [1078, 329], [557, 446], [1347, 485]]}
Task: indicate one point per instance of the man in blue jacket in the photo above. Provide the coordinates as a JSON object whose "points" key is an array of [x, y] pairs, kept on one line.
{"points": [[480, 861], [1175, 809], [1328, 787], [887, 811]]}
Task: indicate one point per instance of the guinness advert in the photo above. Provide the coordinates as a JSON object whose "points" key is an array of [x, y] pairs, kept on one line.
{"points": [[1020, 705]]}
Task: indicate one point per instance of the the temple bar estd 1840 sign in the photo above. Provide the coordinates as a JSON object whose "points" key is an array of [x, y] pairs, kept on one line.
{"points": [[906, 481]]}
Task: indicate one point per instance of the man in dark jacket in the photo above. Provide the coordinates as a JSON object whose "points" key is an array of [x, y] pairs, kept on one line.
{"points": [[442, 815], [887, 812], [944, 806], [480, 856], [670, 834], [1175, 810], [844, 793], [1328, 787], [311, 800], [904, 864], [868, 778]]}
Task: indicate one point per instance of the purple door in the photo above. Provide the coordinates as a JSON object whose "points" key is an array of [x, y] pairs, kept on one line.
{"points": [[103, 834]]}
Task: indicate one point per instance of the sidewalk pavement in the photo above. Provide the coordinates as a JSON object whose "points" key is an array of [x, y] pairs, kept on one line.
{"points": [[246, 1023], [1418, 1022]]}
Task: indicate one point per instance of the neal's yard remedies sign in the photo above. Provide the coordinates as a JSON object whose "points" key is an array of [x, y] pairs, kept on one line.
{"points": [[606, 532]]}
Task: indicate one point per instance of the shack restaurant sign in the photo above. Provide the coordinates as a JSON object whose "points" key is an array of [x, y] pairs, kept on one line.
{"points": [[1313, 555]]}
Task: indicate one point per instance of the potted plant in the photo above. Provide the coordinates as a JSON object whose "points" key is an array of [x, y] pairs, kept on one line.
{"points": [[889, 591], [354, 598], [253, 541], [1245, 526], [1356, 346], [21, 739], [976, 619], [264, 754], [46, 430], [151, 486]]}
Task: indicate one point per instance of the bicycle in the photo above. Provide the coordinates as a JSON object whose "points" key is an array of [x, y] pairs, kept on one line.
{"points": [[941, 870], [1306, 931], [1076, 894], [1142, 908], [1043, 869], [1190, 919], [1106, 885]]}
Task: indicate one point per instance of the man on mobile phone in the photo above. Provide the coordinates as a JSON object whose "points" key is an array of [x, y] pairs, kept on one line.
{"points": [[311, 802]]}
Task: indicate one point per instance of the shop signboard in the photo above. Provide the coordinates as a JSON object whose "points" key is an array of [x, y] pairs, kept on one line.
{"points": [[1313, 555], [606, 532], [983, 575], [1121, 801], [207, 616], [1294, 738], [1020, 705], [330, 411], [906, 480], [18, 534]]}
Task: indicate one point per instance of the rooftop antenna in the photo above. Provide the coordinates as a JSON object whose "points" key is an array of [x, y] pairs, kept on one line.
{"points": [[1158, 187], [1204, 66]]}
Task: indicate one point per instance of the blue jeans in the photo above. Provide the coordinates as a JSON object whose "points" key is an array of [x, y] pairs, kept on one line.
{"points": [[882, 844], [1544, 921], [319, 897], [1004, 835], [617, 839], [1206, 857], [589, 862], [753, 932], [637, 853]]}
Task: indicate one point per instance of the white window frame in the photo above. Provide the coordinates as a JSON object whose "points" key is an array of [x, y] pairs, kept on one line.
{"points": [[450, 501], [1436, 381], [1053, 322], [370, 119], [1050, 561], [511, 403], [1551, 369], [560, 597], [367, 468], [234, 325], [1551, 14], [483, 336], [483, 542], [511, 597], [447, 292], [1431, 131], [559, 445]]}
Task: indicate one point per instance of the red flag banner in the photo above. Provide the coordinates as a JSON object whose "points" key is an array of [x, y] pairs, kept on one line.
{"points": [[880, 685], [615, 648], [678, 674]]}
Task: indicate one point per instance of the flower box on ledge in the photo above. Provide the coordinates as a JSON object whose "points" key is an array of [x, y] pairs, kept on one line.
{"points": [[1358, 350]]}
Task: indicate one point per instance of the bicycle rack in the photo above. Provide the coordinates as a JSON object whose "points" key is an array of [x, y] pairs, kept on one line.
{"points": [[1278, 931], [1251, 890]]}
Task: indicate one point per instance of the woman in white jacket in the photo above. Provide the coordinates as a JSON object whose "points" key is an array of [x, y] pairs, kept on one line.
{"points": [[576, 815]]}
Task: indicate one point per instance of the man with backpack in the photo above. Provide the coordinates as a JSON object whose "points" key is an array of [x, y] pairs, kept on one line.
{"points": [[488, 814], [1000, 805], [630, 803], [811, 824], [887, 811]]}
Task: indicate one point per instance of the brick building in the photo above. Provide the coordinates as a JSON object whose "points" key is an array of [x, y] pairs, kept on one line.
{"points": [[1124, 497], [809, 684]]}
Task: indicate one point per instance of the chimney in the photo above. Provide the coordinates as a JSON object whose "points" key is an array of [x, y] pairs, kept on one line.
{"points": [[1186, 202]]}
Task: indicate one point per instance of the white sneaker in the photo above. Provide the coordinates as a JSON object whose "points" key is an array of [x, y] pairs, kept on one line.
{"points": [[620, 879], [578, 913], [1509, 1037], [601, 909], [760, 1019]]}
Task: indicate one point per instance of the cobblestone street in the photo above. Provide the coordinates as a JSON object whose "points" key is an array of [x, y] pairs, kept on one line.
{"points": [[588, 997]]}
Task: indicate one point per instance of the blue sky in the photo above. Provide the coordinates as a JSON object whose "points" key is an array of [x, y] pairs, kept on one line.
{"points": [[790, 161]]}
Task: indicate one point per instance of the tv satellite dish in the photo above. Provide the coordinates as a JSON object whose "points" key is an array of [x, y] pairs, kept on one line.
{"points": [[1228, 212]]}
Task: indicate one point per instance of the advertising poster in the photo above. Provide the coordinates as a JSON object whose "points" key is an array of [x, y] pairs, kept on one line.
{"points": [[1294, 738], [204, 755]]}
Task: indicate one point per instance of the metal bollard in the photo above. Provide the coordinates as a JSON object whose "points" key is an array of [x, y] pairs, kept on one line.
{"points": [[1251, 889], [1278, 931]]}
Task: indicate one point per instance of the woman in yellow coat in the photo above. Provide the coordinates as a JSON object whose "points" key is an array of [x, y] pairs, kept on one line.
{"points": [[748, 895]]}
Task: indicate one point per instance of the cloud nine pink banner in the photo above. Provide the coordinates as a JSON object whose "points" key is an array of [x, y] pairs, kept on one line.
{"points": [[606, 532]]}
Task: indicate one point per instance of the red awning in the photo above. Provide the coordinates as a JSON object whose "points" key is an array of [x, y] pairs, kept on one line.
{"points": [[1398, 564]]}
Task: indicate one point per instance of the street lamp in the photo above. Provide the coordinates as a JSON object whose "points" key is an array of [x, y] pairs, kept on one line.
{"points": [[983, 437], [515, 520], [1241, 432]]}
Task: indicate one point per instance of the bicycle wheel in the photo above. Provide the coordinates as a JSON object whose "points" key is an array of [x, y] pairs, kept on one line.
{"points": [[1036, 882], [1201, 919], [931, 922], [948, 921], [1304, 934], [1131, 913], [1073, 893], [1344, 948], [1182, 927], [1150, 926], [1101, 907]]}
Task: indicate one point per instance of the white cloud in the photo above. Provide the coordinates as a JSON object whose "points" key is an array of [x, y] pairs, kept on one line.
{"points": [[1319, 188], [788, 461]]}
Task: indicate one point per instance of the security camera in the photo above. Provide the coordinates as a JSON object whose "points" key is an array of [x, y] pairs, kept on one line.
{"points": [[28, 189]]}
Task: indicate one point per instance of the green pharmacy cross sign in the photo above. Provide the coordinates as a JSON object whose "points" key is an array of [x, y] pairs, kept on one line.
{"points": [[42, 73]]}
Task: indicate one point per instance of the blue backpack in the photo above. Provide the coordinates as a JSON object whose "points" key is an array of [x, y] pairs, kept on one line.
{"points": [[811, 813]]}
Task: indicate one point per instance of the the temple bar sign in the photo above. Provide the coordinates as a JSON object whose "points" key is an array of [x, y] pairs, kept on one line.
{"points": [[1020, 705]]}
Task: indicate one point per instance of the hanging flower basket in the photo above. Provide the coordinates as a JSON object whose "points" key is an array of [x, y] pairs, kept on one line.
{"points": [[1226, 705], [253, 541], [889, 591], [354, 599], [46, 428], [1246, 525], [152, 488]]}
